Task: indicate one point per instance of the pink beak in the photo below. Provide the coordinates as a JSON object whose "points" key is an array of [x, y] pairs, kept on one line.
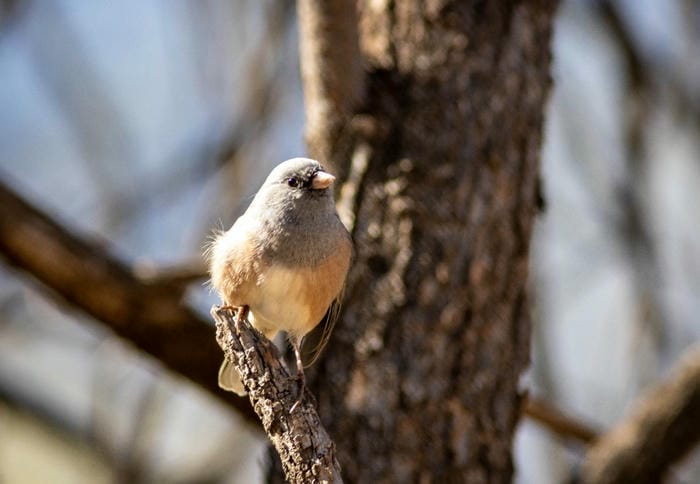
{"points": [[322, 180]]}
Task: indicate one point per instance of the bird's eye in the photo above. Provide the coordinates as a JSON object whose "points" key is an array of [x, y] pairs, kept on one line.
{"points": [[292, 182]]}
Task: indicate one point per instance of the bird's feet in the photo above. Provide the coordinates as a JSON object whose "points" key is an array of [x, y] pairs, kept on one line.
{"points": [[226, 307], [302, 387], [242, 314], [239, 313], [302, 393]]}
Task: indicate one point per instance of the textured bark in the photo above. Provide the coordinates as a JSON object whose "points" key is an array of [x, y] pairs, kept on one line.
{"points": [[420, 380], [661, 429], [290, 421]]}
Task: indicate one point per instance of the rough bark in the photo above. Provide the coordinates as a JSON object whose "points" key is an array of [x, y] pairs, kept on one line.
{"points": [[291, 422], [662, 428], [420, 380]]}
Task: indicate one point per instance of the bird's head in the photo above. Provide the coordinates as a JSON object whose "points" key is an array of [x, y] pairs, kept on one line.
{"points": [[297, 181], [300, 174]]}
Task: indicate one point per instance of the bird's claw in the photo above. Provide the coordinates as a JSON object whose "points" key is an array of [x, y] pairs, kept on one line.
{"points": [[302, 388], [241, 314], [226, 307]]}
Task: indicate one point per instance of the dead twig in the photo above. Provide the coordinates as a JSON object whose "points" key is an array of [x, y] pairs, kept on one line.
{"points": [[557, 421], [305, 449]]}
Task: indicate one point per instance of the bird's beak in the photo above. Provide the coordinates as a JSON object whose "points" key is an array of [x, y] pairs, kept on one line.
{"points": [[322, 180]]}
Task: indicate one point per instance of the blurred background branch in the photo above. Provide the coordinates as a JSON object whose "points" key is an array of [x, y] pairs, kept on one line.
{"points": [[662, 427], [151, 315], [561, 424], [331, 69]]}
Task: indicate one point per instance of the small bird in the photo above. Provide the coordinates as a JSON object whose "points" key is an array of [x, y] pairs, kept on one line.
{"points": [[285, 259]]}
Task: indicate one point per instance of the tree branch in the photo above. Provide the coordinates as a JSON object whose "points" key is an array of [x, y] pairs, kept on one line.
{"points": [[152, 316], [177, 276], [331, 69], [662, 428], [557, 421], [306, 450]]}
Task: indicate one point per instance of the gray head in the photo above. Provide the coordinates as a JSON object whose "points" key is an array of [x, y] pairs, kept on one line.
{"points": [[296, 210], [296, 184], [300, 173]]}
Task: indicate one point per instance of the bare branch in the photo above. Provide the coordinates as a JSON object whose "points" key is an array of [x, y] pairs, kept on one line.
{"points": [[557, 421], [151, 316], [305, 449], [331, 69], [662, 428], [177, 276]]}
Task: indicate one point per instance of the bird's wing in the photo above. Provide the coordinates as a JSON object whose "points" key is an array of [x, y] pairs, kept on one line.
{"points": [[328, 323]]}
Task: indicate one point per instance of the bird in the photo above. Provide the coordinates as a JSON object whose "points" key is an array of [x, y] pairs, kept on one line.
{"points": [[284, 262]]}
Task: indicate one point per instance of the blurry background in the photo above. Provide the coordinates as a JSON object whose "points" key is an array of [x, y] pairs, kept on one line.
{"points": [[146, 124]]}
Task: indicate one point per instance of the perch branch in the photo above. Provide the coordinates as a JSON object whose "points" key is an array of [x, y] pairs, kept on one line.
{"points": [[661, 428], [150, 315], [330, 68], [305, 449]]}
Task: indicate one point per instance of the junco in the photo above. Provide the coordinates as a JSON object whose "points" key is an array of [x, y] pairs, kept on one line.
{"points": [[285, 259]]}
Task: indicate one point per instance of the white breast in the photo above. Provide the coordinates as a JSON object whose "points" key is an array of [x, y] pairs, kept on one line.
{"points": [[284, 305]]}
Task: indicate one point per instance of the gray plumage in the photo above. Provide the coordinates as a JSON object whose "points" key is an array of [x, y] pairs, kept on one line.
{"points": [[286, 257], [296, 224]]}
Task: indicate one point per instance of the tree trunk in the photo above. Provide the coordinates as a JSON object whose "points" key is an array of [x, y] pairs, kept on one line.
{"points": [[440, 169]]}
